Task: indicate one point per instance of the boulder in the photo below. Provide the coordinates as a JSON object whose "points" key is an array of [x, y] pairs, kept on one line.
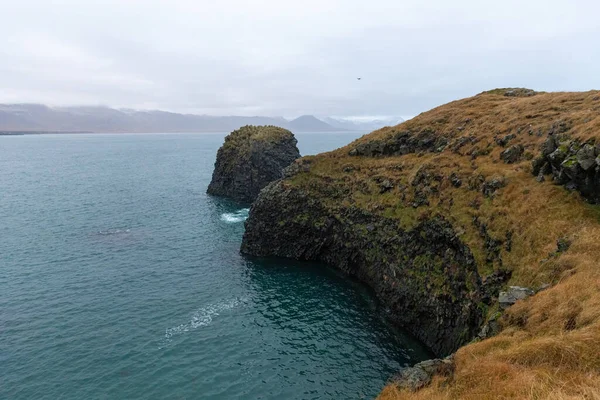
{"points": [[570, 167], [504, 140], [250, 159], [490, 186], [455, 180], [512, 295], [548, 146], [414, 378], [491, 327], [512, 154], [558, 155], [586, 157], [386, 186]]}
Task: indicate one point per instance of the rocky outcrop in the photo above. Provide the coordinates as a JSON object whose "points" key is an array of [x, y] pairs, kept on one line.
{"points": [[571, 163], [506, 299], [426, 277], [512, 154], [439, 214], [492, 185], [512, 295], [400, 143], [491, 327], [414, 378], [520, 92], [251, 158]]}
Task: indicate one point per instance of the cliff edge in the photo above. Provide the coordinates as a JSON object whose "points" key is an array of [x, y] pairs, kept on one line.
{"points": [[440, 214], [251, 158]]}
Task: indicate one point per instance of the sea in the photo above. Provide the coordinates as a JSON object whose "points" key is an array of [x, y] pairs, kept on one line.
{"points": [[120, 278]]}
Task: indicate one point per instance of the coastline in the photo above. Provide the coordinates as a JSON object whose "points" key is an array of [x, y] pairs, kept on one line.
{"points": [[365, 209]]}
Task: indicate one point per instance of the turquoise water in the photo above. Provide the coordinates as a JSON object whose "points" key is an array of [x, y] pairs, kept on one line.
{"points": [[121, 279]]}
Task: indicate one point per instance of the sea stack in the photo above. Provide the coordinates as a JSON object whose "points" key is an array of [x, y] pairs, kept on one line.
{"points": [[251, 158]]}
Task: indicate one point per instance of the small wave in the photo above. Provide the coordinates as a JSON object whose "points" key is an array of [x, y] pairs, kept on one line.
{"points": [[202, 317], [235, 217]]}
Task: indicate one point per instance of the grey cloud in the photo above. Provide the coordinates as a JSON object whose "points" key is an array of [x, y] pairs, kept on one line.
{"points": [[280, 58]]}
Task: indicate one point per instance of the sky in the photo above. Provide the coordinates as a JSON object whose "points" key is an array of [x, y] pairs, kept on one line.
{"points": [[283, 58]]}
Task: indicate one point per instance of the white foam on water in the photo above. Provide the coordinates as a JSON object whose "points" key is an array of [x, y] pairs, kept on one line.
{"points": [[203, 317], [235, 217]]}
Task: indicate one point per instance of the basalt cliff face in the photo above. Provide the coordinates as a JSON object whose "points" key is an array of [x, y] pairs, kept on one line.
{"points": [[443, 212], [251, 158], [425, 275]]}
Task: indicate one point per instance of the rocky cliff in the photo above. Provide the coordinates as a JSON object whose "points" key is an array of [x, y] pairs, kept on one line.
{"points": [[441, 213], [251, 158], [425, 275]]}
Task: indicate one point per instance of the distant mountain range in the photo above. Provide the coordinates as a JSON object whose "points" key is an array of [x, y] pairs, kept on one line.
{"points": [[41, 118], [362, 125]]}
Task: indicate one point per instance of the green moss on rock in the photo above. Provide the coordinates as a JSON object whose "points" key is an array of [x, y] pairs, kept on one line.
{"points": [[251, 158]]}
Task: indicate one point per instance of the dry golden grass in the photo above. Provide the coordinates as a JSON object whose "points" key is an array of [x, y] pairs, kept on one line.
{"points": [[549, 347]]}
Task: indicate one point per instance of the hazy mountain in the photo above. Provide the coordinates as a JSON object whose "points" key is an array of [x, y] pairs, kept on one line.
{"points": [[34, 117], [309, 123], [358, 125], [37, 117]]}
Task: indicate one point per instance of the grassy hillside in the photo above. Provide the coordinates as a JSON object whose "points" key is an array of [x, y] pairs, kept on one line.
{"points": [[471, 161]]}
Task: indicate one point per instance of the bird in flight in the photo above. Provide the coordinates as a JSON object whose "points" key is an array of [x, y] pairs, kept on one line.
{"points": [[359, 78]]}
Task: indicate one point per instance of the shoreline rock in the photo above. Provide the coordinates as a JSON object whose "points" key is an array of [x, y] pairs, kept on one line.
{"points": [[439, 214], [425, 276], [421, 374], [251, 158]]}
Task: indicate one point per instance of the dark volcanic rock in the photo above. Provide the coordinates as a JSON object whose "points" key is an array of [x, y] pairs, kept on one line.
{"points": [[491, 327], [512, 295], [401, 143], [492, 284], [491, 186], [562, 245], [512, 154], [586, 157], [414, 378], [519, 92], [426, 277], [250, 159], [571, 163], [504, 141], [455, 180], [298, 166]]}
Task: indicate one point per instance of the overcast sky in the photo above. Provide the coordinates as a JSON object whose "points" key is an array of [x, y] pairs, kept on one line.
{"points": [[278, 57]]}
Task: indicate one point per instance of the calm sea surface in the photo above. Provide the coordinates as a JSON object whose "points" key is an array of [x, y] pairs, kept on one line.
{"points": [[121, 279]]}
